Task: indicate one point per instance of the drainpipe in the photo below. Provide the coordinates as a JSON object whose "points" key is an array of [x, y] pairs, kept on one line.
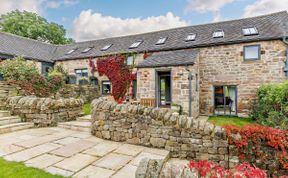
{"points": [[190, 78], [285, 40]]}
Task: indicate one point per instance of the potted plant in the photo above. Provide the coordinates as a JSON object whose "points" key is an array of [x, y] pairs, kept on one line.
{"points": [[176, 107], [83, 81]]}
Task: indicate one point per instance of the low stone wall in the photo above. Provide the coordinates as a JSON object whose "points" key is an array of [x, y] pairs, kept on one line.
{"points": [[44, 111], [85, 92], [184, 137]]}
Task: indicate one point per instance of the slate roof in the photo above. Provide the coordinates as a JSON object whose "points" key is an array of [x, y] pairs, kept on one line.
{"points": [[270, 27], [170, 58]]}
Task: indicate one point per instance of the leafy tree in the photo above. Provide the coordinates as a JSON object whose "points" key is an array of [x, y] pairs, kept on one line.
{"points": [[31, 25]]}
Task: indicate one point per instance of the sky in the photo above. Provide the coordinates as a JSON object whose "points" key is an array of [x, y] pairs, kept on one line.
{"points": [[96, 19]]}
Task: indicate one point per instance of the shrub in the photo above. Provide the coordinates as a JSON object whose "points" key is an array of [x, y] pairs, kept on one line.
{"points": [[205, 169], [18, 69], [271, 107]]}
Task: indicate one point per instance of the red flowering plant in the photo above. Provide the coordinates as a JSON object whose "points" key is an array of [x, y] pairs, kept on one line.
{"points": [[206, 169], [253, 140], [118, 73], [92, 66]]}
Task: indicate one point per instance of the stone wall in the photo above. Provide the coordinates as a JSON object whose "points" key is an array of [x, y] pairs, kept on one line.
{"points": [[85, 92], [224, 65], [183, 136], [45, 111]]}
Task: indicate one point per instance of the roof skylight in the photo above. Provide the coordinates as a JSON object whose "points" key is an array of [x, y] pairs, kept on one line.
{"points": [[161, 41], [87, 49], [71, 51], [190, 37], [250, 31], [106, 47], [218, 34], [136, 44]]}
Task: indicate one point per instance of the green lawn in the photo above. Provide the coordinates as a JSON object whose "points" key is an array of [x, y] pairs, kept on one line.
{"points": [[19, 170], [87, 108], [230, 120]]}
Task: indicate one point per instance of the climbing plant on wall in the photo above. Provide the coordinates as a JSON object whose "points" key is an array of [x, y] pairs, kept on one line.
{"points": [[118, 73]]}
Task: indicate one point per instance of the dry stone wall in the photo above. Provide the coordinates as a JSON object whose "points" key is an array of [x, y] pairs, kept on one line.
{"points": [[44, 111]]}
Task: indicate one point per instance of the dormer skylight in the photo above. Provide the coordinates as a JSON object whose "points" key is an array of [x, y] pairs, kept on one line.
{"points": [[136, 44], [190, 37], [218, 34], [250, 31], [87, 49], [71, 51], [161, 41], [106, 47]]}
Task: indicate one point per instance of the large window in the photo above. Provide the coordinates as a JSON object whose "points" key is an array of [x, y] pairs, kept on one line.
{"points": [[130, 60], [106, 87], [45, 67], [252, 52], [81, 73]]}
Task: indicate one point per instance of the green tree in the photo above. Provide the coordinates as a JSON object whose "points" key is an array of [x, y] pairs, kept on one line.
{"points": [[31, 25]]}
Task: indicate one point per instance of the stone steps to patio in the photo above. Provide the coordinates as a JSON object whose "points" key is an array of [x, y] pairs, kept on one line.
{"points": [[10, 123], [81, 124]]}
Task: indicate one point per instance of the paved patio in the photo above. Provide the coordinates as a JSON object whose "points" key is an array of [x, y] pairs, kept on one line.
{"points": [[73, 153]]}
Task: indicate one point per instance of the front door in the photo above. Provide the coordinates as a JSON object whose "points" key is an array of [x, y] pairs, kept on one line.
{"points": [[164, 89], [225, 100]]}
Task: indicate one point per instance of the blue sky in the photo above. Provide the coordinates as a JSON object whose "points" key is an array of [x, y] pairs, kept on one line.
{"points": [[94, 19]]}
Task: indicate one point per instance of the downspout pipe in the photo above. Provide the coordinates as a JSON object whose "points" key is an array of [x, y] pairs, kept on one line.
{"points": [[285, 40], [190, 78]]}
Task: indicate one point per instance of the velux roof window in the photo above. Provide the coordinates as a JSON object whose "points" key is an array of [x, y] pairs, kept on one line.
{"points": [[136, 44], [71, 51], [87, 49], [161, 41], [218, 34], [250, 31], [190, 37], [106, 47]]}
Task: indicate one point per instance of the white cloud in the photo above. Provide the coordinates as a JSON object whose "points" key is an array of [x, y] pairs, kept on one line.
{"points": [[206, 5], [53, 4], [261, 7], [89, 25], [27, 5], [70, 2]]}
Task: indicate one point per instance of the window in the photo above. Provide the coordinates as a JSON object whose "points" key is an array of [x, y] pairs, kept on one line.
{"points": [[218, 34], [106, 87], [252, 52], [136, 44], [161, 41], [250, 31], [45, 67], [190, 37], [81, 73], [130, 60], [106, 47], [71, 51], [87, 49]]}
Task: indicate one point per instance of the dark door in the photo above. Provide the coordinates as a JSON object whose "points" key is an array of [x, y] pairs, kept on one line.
{"points": [[225, 100], [164, 89]]}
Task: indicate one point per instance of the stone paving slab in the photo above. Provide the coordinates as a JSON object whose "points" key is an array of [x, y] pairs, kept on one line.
{"points": [[43, 161], [75, 154], [75, 163], [113, 161]]}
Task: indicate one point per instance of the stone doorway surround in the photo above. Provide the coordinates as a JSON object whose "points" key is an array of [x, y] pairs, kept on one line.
{"points": [[74, 153]]}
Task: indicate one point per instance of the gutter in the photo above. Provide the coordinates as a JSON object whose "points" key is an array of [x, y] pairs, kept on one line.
{"points": [[285, 40]]}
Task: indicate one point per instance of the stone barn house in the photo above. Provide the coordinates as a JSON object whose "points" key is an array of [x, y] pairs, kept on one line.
{"points": [[225, 62]]}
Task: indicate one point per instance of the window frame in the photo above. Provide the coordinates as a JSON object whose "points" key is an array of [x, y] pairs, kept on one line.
{"points": [[252, 59], [133, 61], [249, 29], [102, 91], [136, 44], [106, 47], [191, 34], [161, 40], [218, 31], [86, 50]]}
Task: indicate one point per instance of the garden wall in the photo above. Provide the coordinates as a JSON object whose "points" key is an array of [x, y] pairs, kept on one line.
{"points": [[44, 111], [183, 136], [85, 92]]}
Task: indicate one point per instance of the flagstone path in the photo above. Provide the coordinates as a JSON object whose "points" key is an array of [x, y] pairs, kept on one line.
{"points": [[74, 153]]}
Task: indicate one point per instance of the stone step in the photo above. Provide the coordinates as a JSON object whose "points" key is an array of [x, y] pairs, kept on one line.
{"points": [[4, 113], [76, 125], [84, 118], [15, 127], [9, 120]]}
